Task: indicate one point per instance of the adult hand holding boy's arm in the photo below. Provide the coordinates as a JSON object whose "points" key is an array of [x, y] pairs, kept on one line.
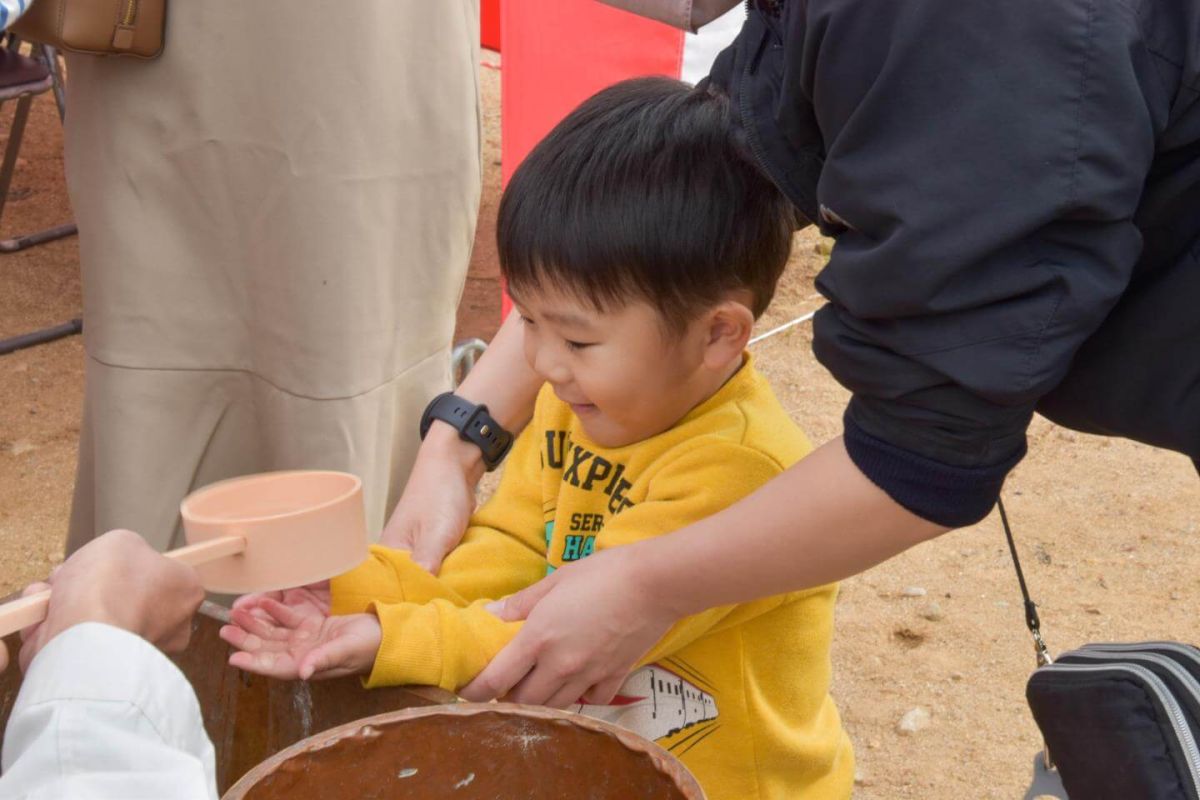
{"points": [[820, 521], [432, 515]]}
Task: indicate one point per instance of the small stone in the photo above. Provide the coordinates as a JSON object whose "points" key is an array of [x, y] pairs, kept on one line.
{"points": [[1092, 610], [915, 720], [860, 777], [824, 246], [914, 591], [1176, 596], [956, 676], [874, 744], [933, 612]]}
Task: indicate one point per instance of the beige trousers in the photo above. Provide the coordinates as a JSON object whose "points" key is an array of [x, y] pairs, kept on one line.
{"points": [[275, 223]]}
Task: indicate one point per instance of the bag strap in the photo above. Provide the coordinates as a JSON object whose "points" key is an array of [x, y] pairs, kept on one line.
{"points": [[1031, 616], [1035, 628]]}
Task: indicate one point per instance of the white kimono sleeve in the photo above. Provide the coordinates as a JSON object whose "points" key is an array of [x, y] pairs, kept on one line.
{"points": [[103, 714]]}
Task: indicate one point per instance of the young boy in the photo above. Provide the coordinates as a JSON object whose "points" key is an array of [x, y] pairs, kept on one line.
{"points": [[639, 244]]}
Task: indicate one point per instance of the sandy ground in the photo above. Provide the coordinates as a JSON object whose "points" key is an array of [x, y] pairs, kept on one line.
{"points": [[1106, 527]]}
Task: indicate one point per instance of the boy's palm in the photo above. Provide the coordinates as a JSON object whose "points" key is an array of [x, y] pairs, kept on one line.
{"points": [[299, 639]]}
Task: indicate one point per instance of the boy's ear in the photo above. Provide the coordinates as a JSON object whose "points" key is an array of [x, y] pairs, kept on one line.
{"points": [[728, 331]]}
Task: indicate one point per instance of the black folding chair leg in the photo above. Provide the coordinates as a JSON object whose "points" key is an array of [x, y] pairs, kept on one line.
{"points": [[41, 337], [50, 57], [15, 135], [29, 240]]}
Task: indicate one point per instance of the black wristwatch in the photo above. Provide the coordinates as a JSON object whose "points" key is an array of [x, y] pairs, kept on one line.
{"points": [[473, 423]]}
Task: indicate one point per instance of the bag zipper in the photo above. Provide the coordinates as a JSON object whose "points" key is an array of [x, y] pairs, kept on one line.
{"points": [[1182, 651], [1189, 682], [1161, 692], [123, 33]]}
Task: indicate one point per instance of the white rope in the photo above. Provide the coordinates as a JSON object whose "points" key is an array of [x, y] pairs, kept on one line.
{"points": [[783, 327]]}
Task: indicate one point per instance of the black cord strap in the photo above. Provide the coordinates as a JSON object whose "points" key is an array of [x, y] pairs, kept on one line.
{"points": [[1031, 616]]}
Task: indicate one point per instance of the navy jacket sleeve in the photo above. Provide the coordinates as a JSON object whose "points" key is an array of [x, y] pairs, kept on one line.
{"points": [[986, 161]]}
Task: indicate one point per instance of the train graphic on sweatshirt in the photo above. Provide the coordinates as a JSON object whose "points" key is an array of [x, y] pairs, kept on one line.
{"points": [[656, 703]]}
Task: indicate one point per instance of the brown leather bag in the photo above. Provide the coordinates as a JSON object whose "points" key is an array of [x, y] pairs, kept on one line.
{"points": [[97, 27]]}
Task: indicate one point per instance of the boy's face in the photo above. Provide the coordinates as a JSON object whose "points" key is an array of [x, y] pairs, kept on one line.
{"points": [[622, 374]]}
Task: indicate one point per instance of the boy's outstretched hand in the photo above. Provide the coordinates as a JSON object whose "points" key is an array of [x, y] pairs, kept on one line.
{"points": [[289, 635], [314, 598]]}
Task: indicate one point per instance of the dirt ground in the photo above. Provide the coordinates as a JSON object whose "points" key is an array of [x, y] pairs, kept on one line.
{"points": [[1106, 527]]}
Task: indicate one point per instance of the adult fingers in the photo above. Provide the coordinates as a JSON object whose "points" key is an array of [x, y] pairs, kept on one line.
{"points": [[568, 695], [3, 657], [503, 673], [517, 607], [25, 654], [30, 631], [603, 692], [548, 685], [31, 636], [30, 648]]}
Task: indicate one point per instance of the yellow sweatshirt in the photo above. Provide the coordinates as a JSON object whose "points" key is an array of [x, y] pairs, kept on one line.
{"points": [[739, 693]]}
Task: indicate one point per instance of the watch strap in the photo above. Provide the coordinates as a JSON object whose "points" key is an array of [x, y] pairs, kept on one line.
{"points": [[473, 423]]}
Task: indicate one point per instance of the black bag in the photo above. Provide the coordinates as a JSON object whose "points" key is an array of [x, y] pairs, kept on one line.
{"points": [[1120, 721]]}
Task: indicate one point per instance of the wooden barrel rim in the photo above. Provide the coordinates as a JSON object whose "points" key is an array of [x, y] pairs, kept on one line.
{"points": [[663, 761]]}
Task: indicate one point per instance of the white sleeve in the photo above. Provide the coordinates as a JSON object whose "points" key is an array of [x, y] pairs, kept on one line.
{"points": [[103, 714]]}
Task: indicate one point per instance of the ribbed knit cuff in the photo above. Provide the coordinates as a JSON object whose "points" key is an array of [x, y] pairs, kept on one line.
{"points": [[411, 649], [948, 495]]}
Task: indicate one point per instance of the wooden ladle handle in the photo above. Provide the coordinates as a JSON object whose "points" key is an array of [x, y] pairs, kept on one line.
{"points": [[31, 610]]}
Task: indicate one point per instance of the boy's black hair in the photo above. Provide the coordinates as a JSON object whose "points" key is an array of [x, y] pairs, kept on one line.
{"points": [[645, 192]]}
